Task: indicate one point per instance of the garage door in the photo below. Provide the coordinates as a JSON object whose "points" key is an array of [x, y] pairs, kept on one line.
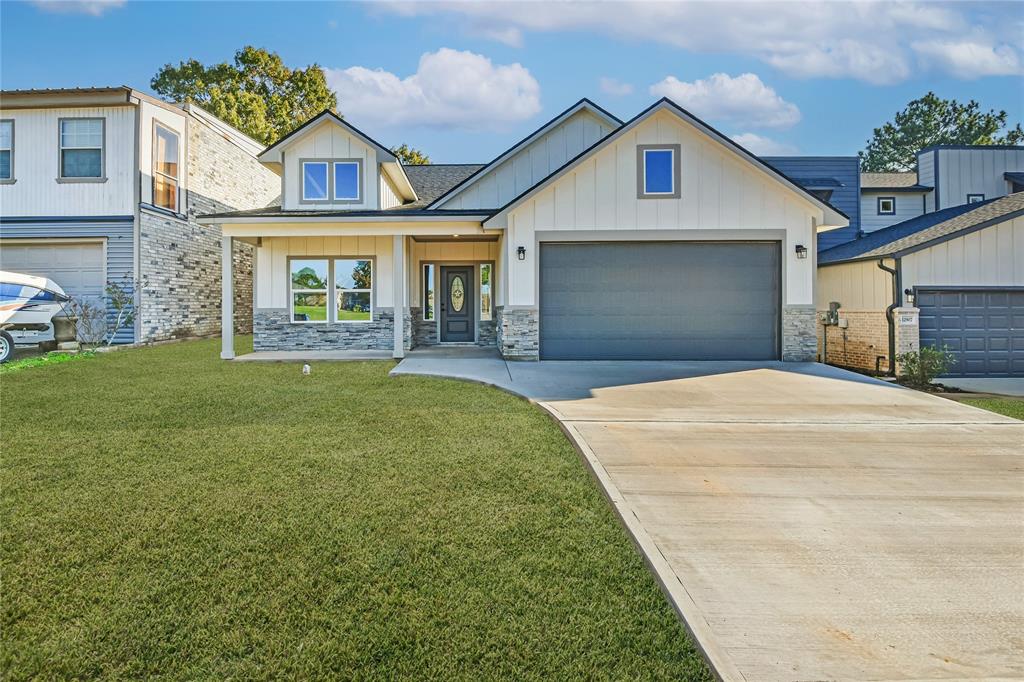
{"points": [[983, 328], [660, 301], [78, 268]]}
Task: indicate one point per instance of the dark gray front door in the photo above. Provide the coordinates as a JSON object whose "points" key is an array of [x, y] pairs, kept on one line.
{"points": [[458, 306], [982, 328], [660, 301]]}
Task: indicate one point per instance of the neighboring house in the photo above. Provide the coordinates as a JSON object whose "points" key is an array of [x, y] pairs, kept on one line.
{"points": [[655, 238], [835, 179], [102, 184], [890, 198], [951, 278]]}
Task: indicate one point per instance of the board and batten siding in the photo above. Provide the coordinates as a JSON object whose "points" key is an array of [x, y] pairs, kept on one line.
{"points": [[993, 256], [531, 164], [908, 205], [388, 195], [118, 236], [975, 171], [926, 177], [272, 264], [327, 141], [36, 191], [721, 193], [450, 253], [860, 286], [845, 170]]}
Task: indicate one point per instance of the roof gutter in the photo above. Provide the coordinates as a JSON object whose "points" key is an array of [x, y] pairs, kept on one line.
{"points": [[897, 280]]}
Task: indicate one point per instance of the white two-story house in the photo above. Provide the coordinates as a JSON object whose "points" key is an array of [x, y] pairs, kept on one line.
{"points": [[103, 185]]}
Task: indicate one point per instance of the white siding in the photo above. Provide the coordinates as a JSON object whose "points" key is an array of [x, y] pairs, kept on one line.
{"points": [[327, 140], [926, 177], [448, 252], [722, 194], [531, 164], [993, 256], [975, 171], [272, 264], [176, 121], [388, 196], [908, 205], [36, 191]]}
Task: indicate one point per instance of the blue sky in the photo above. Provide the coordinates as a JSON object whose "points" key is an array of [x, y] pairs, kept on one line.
{"points": [[463, 81]]}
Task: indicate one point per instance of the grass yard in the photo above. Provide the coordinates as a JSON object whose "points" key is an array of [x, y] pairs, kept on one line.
{"points": [[166, 514], [1011, 407]]}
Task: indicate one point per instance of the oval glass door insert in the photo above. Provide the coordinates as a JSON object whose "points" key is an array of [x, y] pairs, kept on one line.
{"points": [[458, 294]]}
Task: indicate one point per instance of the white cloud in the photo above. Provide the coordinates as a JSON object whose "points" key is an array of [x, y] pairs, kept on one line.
{"points": [[91, 7], [615, 87], [744, 100], [763, 146], [508, 35], [967, 59], [868, 40], [449, 89]]}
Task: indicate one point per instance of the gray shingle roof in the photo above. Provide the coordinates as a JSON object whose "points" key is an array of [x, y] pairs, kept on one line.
{"points": [[916, 233], [891, 181], [432, 180]]}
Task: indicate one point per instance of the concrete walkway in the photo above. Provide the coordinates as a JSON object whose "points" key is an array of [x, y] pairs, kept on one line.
{"points": [[1008, 386], [807, 523]]}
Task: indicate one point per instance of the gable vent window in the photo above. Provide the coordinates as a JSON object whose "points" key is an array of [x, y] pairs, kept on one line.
{"points": [[975, 198], [886, 205], [658, 171]]}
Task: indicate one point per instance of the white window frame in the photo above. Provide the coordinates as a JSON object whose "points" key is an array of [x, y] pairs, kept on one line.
{"points": [[10, 179], [302, 180], [975, 198], [326, 291], [641, 176], [891, 212], [359, 180], [102, 177], [177, 179], [334, 280]]}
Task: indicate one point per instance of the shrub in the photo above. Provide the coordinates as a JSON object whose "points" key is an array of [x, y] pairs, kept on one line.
{"points": [[919, 368]]}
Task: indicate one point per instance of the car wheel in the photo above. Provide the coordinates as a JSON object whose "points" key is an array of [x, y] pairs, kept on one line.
{"points": [[6, 347]]}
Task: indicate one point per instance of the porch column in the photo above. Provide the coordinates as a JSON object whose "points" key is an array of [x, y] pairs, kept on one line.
{"points": [[398, 286], [227, 302]]}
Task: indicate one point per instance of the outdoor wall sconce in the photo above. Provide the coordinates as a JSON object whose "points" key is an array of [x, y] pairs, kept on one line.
{"points": [[909, 293], [801, 251], [521, 251]]}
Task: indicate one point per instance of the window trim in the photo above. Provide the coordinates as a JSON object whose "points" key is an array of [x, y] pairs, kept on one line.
{"points": [[979, 198], [332, 290], [153, 170], [11, 180], [334, 306], [641, 170], [103, 150], [878, 205], [358, 163], [329, 199]]}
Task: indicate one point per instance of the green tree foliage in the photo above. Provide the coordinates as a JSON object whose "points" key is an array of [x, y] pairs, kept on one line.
{"points": [[257, 94], [410, 156], [932, 120], [361, 275]]}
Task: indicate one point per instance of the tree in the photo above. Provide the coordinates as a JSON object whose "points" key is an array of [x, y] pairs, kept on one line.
{"points": [[257, 94], [932, 120], [410, 156]]}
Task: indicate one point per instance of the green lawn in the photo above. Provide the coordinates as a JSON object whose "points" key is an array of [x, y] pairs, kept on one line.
{"points": [[166, 514], [1011, 407]]}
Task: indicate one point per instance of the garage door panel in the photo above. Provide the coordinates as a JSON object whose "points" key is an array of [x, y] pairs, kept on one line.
{"points": [[984, 329], [666, 300]]}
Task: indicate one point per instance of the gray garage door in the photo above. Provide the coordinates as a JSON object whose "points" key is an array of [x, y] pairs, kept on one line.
{"points": [[983, 328], [659, 301]]}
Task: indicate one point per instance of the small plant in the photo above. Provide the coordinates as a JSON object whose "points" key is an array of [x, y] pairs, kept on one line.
{"points": [[91, 326], [122, 299], [919, 368]]}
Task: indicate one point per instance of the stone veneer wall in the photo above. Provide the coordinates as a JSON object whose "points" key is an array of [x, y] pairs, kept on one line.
{"points": [[864, 341], [180, 259], [272, 330], [425, 331], [487, 332], [518, 333], [799, 339]]}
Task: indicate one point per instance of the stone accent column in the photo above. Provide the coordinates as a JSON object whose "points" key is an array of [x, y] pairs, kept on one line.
{"points": [[908, 331], [518, 331], [227, 303], [401, 315], [799, 333]]}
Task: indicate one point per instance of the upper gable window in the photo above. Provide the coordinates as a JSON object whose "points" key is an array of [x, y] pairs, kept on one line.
{"points": [[314, 181], [886, 205], [165, 167], [346, 180], [658, 171]]}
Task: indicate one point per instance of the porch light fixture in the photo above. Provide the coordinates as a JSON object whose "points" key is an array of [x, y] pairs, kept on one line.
{"points": [[521, 251], [801, 251], [909, 294]]}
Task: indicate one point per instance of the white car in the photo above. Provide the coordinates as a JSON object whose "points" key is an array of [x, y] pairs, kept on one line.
{"points": [[27, 304]]}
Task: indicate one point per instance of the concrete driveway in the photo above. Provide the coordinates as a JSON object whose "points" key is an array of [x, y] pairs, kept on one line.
{"points": [[807, 523]]}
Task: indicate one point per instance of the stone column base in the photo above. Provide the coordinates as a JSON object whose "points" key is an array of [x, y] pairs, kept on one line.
{"points": [[518, 332], [799, 333]]}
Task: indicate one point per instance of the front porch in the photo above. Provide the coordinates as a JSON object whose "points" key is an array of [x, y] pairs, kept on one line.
{"points": [[366, 296]]}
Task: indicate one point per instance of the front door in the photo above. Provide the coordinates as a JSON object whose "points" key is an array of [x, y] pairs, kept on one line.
{"points": [[458, 308]]}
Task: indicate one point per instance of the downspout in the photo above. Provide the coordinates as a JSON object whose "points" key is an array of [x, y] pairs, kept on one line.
{"points": [[889, 317]]}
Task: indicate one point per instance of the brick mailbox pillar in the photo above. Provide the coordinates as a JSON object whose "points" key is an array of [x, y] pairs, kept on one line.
{"points": [[908, 331]]}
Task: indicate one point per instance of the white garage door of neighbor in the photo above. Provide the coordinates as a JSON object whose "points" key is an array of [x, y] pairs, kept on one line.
{"points": [[78, 268]]}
